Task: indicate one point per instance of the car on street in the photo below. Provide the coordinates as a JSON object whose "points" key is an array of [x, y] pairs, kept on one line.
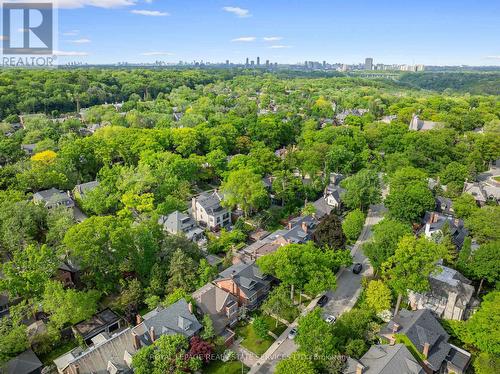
{"points": [[323, 300], [356, 269], [330, 319], [292, 334]]}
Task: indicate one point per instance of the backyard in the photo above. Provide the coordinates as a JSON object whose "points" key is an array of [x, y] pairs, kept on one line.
{"points": [[230, 367]]}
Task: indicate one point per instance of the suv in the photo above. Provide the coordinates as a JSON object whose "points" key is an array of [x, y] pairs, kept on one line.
{"points": [[323, 300], [356, 269], [292, 334]]}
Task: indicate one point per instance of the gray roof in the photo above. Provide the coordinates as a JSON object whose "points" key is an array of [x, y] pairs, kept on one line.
{"points": [[210, 202], [422, 327], [25, 363], [86, 187], [390, 359], [95, 359], [449, 281], [212, 300], [52, 196], [177, 222], [174, 319], [247, 276], [456, 227], [322, 208], [295, 233], [417, 124]]}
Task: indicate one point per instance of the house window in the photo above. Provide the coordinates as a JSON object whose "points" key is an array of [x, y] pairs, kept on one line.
{"points": [[218, 219]]}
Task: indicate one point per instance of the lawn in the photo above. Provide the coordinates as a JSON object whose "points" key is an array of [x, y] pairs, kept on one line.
{"points": [[58, 351], [230, 367], [251, 341], [277, 330]]}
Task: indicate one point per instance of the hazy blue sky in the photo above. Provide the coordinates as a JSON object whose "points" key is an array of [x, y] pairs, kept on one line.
{"points": [[434, 32]]}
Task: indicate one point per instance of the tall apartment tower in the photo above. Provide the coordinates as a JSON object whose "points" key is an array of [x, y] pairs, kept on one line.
{"points": [[258, 61], [368, 63], [247, 62]]}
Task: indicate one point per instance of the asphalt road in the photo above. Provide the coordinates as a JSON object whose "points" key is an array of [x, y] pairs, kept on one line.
{"points": [[341, 300]]}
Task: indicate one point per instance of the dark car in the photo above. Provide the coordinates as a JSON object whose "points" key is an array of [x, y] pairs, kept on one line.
{"points": [[323, 300], [356, 269]]}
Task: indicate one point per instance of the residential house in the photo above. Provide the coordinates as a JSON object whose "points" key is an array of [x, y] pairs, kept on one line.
{"points": [[110, 354], [450, 295], [177, 318], [222, 308], [483, 192], [385, 359], [67, 274], [207, 210], [340, 117], [105, 321], [444, 205], [53, 198], [81, 189], [29, 149], [25, 363], [330, 200], [424, 334], [247, 283], [177, 223], [436, 224], [388, 119], [416, 124], [298, 231]]}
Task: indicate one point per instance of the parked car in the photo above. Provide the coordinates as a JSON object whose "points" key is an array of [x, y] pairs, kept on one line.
{"points": [[292, 334], [330, 319], [323, 300], [356, 269]]}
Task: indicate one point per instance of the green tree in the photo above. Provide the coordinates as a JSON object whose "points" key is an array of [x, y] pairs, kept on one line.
{"points": [[464, 206], [260, 327], [353, 224], [386, 236], [168, 354], [208, 328], [296, 363], [278, 303], [206, 272], [182, 272], [484, 263], [245, 189], [13, 339], [312, 328], [482, 328], [483, 223], [486, 363], [378, 296], [68, 305], [305, 266], [362, 190], [412, 263], [28, 272]]}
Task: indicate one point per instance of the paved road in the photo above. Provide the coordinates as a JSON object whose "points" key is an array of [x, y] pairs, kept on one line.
{"points": [[341, 300]]}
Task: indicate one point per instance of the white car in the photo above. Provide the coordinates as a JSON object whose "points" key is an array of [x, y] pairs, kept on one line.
{"points": [[292, 334], [330, 319]]}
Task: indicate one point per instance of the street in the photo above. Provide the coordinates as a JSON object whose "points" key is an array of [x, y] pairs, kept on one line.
{"points": [[341, 300]]}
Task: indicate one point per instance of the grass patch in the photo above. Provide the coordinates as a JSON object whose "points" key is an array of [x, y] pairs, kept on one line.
{"points": [[58, 351], [251, 341], [271, 322], [230, 367]]}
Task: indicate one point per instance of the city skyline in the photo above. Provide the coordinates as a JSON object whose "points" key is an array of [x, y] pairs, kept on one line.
{"points": [[140, 31]]}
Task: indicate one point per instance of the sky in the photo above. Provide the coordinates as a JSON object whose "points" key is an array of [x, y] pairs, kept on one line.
{"points": [[438, 32]]}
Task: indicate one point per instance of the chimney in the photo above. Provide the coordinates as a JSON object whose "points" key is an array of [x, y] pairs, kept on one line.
{"points": [[433, 217], [425, 352], [395, 328], [137, 342], [304, 227], [190, 307], [289, 225], [138, 319], [152, 333], [359, 368]]}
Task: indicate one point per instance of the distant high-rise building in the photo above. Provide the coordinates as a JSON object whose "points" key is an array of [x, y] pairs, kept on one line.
{"points": [[252, 63], [324, 64], [227, 62], [258, 61], [267, 63], [368, 63], [246, 63]]}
